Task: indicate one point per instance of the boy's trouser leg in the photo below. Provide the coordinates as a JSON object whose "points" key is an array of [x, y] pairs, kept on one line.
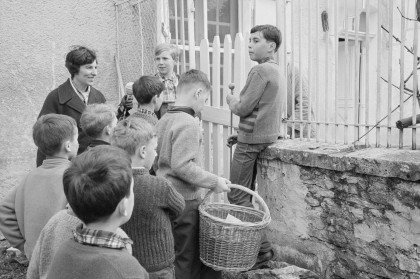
{"points": [[243, 171], [166, 273], [187, 250]]}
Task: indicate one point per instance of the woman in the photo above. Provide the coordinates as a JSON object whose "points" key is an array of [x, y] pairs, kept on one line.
{"points": [[166, 57], [71, 97]]}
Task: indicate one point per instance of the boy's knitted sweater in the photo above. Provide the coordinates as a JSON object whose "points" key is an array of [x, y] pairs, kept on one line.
{"points": [[156, 202], [260, 104], [58, 229], [147, 115], [179, 138], [76, 260], [28, 207]]}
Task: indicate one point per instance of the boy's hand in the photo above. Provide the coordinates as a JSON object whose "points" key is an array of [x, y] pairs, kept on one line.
{"points": [[229, 98], [222, 185], [232, 140], [127, 102]]}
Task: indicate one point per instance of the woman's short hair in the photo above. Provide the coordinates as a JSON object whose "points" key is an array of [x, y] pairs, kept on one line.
{"points": [[79, 56], [172, 49]]}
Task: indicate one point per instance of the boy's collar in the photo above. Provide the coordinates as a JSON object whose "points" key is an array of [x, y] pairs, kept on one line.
{"points": [[265, 60], [187, 110], [100, 238], [172, 76]]}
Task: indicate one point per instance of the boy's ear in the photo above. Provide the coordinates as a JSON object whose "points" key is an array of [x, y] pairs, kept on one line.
{"points": [[123, 207], [272, 46], [197, 92], [141, 152], [67, 146], [107, 130], [153, 101]]}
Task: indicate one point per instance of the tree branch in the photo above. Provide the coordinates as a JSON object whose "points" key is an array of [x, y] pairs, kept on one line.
{"points": [[398, 40], [385, 117], [398, 8], [405, 88]]}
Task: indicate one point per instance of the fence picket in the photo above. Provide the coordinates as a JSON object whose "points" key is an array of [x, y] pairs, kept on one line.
{"points": [[227, 67], [217, 151], [239, 66], [206, 145], [216, 72], [204, 57], [226, 153], [191, 40]]}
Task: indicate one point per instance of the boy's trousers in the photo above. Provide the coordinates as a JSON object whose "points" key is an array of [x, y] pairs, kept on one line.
{"points": [[187, 250], [243, 171]]}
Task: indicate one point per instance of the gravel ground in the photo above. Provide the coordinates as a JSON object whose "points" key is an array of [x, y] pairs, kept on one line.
{"points": [[12, 266]]}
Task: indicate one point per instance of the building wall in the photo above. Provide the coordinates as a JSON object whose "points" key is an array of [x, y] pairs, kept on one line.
{"points": [[341, 212], [35, 37]]}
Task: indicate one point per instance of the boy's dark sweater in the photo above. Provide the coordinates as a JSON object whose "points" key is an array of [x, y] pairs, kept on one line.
{"points": [[97, 142], [156, 202]]}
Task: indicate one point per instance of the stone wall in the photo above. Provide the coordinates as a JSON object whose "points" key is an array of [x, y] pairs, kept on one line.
{"points": [[344, 213]]}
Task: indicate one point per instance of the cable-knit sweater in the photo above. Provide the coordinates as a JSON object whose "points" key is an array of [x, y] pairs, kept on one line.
{"points": [[155, 204], [58, 229], [178, 160]]}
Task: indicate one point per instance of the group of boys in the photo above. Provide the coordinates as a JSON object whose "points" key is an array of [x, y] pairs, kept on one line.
{"points": [[102, 214]]}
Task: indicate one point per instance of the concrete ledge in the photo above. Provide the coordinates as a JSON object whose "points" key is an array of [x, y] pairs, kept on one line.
{"points": [[404, 164]]}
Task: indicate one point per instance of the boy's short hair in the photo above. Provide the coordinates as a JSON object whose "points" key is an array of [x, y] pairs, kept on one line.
{"points": [[79, 56], [270, 33], [146, 87], [96, 181], [172, 49], [51, 130], [193, 77], [95, 118], [131, 133]]}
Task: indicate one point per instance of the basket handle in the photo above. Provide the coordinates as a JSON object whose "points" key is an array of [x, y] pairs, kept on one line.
{"points": [[252, 193]]}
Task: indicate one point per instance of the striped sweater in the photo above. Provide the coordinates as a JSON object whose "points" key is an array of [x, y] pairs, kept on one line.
{"points": [[260, 104]]}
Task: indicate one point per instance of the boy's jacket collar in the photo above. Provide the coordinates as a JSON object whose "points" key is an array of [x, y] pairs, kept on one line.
{"points": [[188, 110]]}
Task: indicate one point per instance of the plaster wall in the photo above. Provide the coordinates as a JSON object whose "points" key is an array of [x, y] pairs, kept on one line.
{"points": [[34, 39], [343, 213]]}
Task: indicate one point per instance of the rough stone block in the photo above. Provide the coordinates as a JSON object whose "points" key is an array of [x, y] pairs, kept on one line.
{"points": [[365, 232], [407, 264], [273, 270]]}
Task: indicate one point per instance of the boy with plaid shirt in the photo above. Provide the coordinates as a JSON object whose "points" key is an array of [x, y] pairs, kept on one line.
{"points": [[99, 188]]}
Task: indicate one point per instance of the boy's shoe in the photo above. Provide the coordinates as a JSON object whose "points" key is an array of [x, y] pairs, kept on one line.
{"points": [[263, 259]]}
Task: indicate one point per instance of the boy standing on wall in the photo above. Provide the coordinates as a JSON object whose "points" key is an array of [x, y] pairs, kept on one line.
{"points": [[259, 107]]}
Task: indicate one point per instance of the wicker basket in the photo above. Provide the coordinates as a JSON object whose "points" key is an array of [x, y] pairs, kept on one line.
{"points": [[226, 246]]}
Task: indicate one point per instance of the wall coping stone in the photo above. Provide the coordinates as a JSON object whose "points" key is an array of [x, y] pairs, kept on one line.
{"points": [[383, 162]]}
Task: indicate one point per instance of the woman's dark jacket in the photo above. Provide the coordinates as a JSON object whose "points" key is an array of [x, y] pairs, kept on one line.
{"points": [[63, 100]]}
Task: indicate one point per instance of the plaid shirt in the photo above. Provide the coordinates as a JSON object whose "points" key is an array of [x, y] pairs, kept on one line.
{"points": [[169, 94], [100, 238]]}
